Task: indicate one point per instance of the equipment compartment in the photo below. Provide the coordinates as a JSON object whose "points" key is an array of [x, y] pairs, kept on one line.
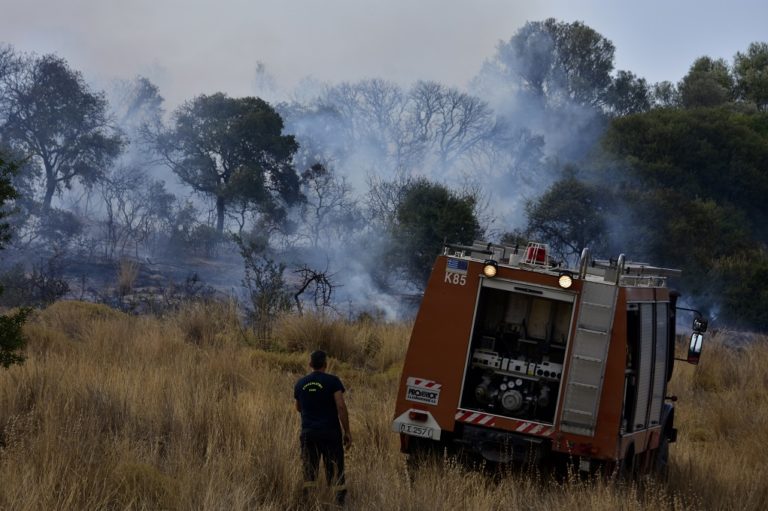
{"points": [[516, 356]]}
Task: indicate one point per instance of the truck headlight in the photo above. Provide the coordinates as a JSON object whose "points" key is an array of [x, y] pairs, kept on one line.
{"points": [[490, 268], [565, 280]]}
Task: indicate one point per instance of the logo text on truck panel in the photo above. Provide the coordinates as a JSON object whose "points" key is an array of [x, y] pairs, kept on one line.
{"points": [[420, 390]]}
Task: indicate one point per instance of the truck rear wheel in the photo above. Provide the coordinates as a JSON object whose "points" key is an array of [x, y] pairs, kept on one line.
{"points": [[628, 466], [661, 459]]}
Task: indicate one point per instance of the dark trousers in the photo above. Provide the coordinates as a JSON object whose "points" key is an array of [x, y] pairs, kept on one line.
{"points": [[328, 446]]}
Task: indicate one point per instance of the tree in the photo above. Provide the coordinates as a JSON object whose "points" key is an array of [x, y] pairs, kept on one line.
{"points": [[7, 195], [137, 107], [316, 284], [11, 336], [233, 149], [370, 118], [693, 183], [570, 216], [321, 131], [743, 288], [550, 78], [447, 121], [710, 153], [136, 208], [428, 215], [628, 94], [751, 70], [137, 103], [665, 95], [384, 197], [265, 284], [51, 115], [329, 211], [687, 232], [556, 61], [708, 83], [8, 61]]}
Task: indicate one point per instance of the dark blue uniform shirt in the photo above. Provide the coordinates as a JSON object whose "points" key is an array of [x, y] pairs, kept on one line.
{"points": [[314, 393]]}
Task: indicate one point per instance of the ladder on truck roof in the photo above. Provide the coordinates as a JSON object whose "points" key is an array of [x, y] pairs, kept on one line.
{"points": [[590, 350]]}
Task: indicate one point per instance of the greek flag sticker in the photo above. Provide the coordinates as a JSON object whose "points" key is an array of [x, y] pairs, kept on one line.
{"points": [[457, 266]]}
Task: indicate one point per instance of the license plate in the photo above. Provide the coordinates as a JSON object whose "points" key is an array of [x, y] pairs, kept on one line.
{"points": [[414, 430]]}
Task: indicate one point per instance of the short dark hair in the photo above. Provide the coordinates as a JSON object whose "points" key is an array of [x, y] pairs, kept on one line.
{"points": [[318, 359]]}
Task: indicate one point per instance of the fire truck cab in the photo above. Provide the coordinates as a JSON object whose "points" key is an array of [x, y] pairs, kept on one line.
{"points": [[514, 358]]}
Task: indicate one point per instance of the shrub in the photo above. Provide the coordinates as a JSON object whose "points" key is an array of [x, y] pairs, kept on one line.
{"points": [[12, 338], [209, 323], [265, 285], [126, 276]]}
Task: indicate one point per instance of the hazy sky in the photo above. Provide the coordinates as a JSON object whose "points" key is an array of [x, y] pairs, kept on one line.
{"points": [[190, 47]]}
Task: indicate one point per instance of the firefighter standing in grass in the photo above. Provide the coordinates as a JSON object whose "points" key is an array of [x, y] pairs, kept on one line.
{"points": [[324, 425]]}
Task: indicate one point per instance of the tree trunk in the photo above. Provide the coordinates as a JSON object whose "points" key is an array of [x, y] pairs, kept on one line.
{"points": [[220, 214], [50, 189]]}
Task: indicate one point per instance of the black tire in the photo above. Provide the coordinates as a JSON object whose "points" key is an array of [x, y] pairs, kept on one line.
{"points": [[628, 466], [661, 459]]}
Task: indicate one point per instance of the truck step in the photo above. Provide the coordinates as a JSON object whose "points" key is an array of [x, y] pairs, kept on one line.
{"points": [[599, 305], [592, 331], [579, 412], [583, 385], [588, 359]]}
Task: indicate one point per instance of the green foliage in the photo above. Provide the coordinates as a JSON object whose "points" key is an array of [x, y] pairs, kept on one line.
{"points": [[694, 182], [570, 216], [743, 290], [683, 185], [689, 233], [665, 95], [708, 83], [628, 94], [265, 283], [716, 154], [51, 114], [751, 70], [11, 336], [7, 194], [428, 215], [556, 61], [233, 150]]}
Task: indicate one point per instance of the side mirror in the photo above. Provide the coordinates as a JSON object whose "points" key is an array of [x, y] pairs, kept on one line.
{"points": [[700, 324], [694, 348]]}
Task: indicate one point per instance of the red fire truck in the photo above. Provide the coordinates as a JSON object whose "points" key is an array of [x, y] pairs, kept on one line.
{"points": [[515, 358]]}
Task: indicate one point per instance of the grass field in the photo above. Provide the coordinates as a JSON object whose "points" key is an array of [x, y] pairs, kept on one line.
{"points": [[190, 412]]}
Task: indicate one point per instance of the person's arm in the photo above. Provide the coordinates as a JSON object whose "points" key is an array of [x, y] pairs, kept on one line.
{"points": [[296, 397], [341, 408]]}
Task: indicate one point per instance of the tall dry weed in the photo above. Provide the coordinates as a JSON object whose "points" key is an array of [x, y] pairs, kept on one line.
{"points": [[375, 345], [127, 272]]}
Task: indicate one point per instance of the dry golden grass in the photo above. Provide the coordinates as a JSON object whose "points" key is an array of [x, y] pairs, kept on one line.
{"points": [[184, 412], [126, 276]]}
